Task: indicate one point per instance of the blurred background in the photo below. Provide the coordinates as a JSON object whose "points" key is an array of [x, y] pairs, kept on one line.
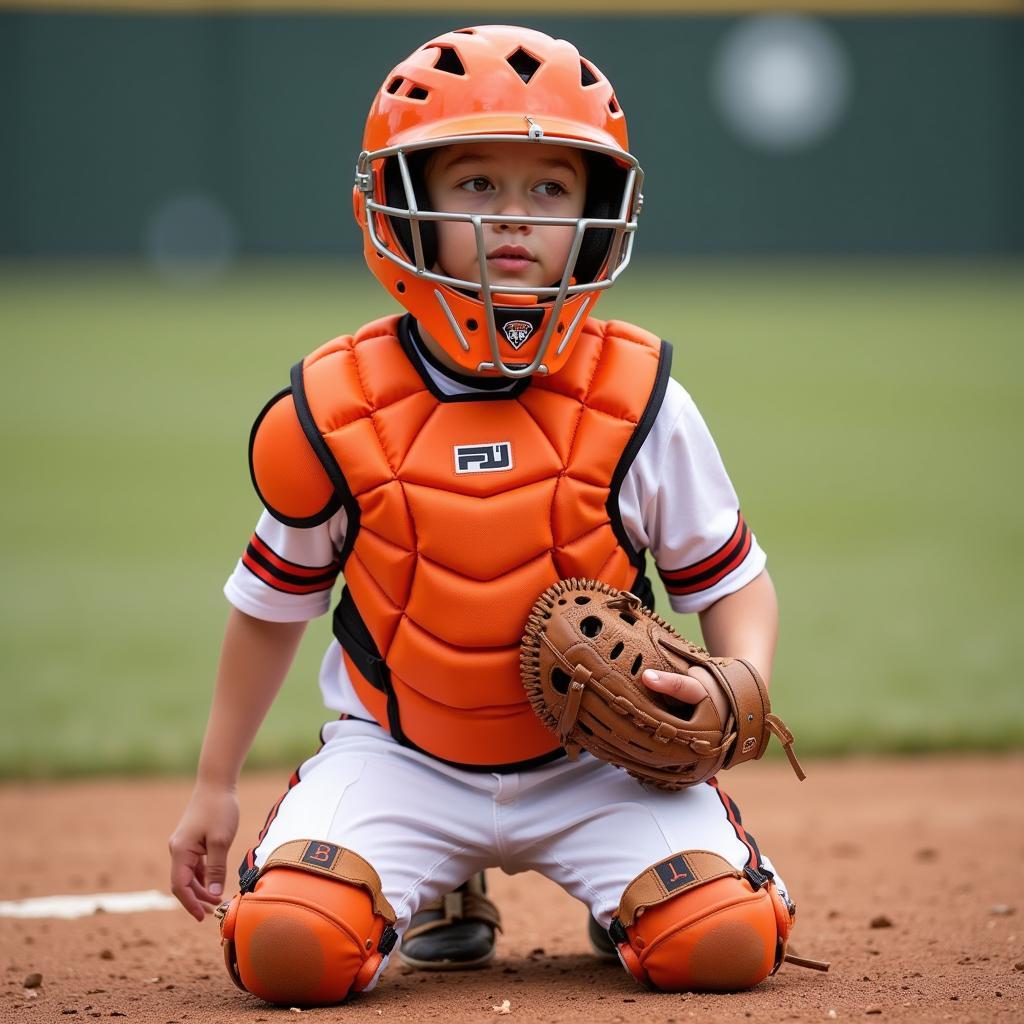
{"points": [[833, 240]]}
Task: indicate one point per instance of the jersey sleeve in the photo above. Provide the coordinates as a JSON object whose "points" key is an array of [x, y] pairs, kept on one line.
{"points": [[286, 573], [677, 500]]}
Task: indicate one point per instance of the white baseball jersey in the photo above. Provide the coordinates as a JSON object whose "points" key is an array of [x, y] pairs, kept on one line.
{"points": [[676, 501]]}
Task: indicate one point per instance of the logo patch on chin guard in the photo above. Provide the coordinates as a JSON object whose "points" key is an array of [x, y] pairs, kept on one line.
{"points": [[517, 332]]}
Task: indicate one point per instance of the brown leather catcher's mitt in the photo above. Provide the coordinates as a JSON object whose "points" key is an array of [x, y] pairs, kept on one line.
{"points": [[585, 649]]}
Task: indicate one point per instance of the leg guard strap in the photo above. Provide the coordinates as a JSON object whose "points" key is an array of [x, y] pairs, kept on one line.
{"points": [[310, 928]]}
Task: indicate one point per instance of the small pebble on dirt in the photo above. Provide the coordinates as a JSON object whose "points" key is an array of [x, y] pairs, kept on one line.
{"points": [[881, 921], [1019, 965], [33, 980], [831, 1014], [1002, 910], [106, 954]]}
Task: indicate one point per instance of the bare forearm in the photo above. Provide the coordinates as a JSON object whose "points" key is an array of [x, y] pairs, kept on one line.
{"points": [[254, 661], [745, 624]]}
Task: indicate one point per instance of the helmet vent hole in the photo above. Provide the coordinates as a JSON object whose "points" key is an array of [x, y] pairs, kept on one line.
{"points": [[471, 324], [561, 328], [587, 76], [591, 626], [417, 92], [394, 85], [448, 60], [400, 286], [613, 106], [523, 64]]}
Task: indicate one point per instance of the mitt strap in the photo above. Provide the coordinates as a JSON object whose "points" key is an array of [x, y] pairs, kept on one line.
{"points": [[668, 878], [755, 723], [778, 727], [571, 709]]}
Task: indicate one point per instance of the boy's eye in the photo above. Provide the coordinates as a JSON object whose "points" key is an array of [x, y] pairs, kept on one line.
{"points": [[550, 189], [476, 185]]}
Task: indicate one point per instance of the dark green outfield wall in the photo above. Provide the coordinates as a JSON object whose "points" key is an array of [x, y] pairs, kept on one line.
{"points": [[103, 117]]}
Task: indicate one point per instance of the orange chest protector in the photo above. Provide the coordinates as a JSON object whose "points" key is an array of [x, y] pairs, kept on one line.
{"points": [[461, 510]]}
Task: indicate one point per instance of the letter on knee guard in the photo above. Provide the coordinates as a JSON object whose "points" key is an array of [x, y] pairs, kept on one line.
{"points": [[311, 927], [693, 923]]}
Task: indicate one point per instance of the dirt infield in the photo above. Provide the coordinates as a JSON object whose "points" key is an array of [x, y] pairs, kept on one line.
{"points": [[908, 876]]}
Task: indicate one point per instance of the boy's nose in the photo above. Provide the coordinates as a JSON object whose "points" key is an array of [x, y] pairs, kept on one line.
{"points": [[513, 207]]}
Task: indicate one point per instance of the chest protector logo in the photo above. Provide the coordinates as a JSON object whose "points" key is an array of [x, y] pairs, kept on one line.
{"points": [[517, 332], [483, 458]]}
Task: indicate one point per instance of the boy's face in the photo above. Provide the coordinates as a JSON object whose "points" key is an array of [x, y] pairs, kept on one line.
{"points": [[516, 179]]}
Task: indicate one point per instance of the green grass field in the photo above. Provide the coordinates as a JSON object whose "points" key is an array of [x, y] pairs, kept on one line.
{"points": [[870, 416]]}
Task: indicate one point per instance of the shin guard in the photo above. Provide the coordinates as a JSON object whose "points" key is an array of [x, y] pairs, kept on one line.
{"points": [[694, 923], [310, 927]]}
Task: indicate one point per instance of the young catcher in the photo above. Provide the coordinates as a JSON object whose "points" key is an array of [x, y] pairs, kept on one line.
{"points": [[454, 464]]}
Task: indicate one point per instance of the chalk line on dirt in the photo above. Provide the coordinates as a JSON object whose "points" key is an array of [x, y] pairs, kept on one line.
{"points": [[83, 906]]}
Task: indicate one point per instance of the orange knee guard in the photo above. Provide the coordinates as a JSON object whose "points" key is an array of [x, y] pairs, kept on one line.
{"points": [[309, 928], [693, 923]]}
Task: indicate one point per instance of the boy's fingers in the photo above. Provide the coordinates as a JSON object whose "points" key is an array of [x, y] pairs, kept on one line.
{"points": [[204, 897], [216, 868], [183, 886], [682, 688]]}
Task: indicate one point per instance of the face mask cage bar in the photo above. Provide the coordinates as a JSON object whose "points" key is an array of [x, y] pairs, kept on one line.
{"points": [[622, 227]]}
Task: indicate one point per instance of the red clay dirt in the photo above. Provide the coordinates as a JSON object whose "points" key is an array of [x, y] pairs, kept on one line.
{"points": [[907, 874]]}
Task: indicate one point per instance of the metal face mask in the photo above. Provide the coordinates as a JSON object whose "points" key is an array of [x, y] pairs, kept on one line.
{"points": [[495, 84]]}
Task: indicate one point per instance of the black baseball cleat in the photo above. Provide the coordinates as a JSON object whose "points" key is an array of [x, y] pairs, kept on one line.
{"points": [[601, 944], [454, 933]]}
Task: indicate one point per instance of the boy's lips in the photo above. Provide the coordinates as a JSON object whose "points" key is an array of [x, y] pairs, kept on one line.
{"points": [[511, 257]]}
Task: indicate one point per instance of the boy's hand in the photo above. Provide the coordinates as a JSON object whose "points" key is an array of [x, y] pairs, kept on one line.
{"points": [[199, 848], [689, 689]]}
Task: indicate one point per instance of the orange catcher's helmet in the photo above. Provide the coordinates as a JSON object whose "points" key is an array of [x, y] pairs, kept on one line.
{"points": [[495, 83]]}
